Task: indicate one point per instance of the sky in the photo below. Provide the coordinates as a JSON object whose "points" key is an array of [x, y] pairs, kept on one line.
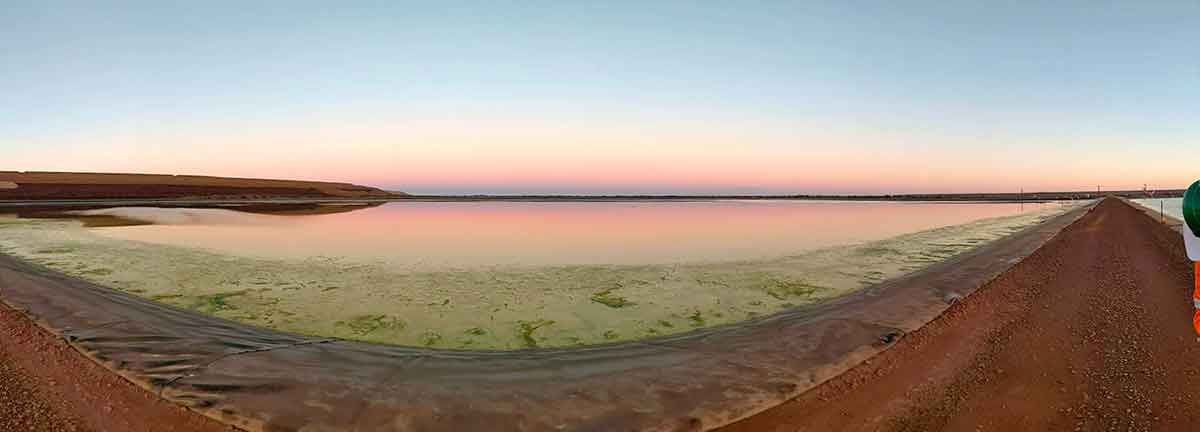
{"points": [[611, 97]]}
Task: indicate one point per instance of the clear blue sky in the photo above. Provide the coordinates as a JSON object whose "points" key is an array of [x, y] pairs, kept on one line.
{"points": [[611, 96]]}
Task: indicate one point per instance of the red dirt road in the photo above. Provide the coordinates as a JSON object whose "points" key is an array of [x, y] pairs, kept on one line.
{"points": [[1092, 332], [45, 385]]}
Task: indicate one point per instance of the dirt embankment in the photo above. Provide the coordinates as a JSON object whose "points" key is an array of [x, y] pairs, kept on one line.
{"points": [[1092, 332], [15, 186], [46, 385]]}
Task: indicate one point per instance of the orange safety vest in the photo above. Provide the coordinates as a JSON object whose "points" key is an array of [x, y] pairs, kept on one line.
{"points": [[1196, 299]]}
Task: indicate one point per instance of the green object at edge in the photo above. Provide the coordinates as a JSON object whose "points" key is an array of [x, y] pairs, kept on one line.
{"points": [[1191, 208]]}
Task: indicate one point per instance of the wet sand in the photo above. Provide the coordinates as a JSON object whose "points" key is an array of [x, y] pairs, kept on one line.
{"points": [[1092, 332], [45, 385]]}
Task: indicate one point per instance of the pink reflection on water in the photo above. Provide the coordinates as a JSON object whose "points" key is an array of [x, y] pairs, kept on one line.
{"points": [[533, 233]]}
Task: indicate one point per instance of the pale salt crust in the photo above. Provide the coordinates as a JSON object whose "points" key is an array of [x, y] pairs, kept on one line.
{"points": [[487, 308]]}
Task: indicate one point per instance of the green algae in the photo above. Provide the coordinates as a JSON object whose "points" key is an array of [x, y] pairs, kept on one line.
{"points": [[213, 303], [367, 324], [430, 338], [525, 330], [475, 331], [96, 272], [783, 289], [54, 250], [608, 298]]}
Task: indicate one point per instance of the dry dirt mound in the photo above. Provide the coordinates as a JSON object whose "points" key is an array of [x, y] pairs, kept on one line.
{"points": [[1092, 332]]}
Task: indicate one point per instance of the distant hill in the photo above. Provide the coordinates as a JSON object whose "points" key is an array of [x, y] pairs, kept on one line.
{"points": [[35, 185]]}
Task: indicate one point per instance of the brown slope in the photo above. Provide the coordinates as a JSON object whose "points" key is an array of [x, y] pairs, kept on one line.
{"points": [[1092, 332], [45, 385]]}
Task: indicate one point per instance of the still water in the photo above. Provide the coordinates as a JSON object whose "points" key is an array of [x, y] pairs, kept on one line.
{"points": [[1172, 207], [463, 234]]}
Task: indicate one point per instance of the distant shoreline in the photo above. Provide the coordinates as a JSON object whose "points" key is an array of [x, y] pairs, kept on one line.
{"points": [[25, 189], [960, 197], [224, 201], [35, 186], [218, 201]]}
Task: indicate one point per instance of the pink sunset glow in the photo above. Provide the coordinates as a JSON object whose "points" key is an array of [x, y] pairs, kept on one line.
{"points": [[482, 157]]}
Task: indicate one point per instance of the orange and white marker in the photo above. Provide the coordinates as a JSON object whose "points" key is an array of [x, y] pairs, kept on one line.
{"points": [[1196, 297], [1191, 240]]}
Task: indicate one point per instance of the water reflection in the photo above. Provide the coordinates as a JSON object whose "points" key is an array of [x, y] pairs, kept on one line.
{"points": [[457, 234], [98, 216]]}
